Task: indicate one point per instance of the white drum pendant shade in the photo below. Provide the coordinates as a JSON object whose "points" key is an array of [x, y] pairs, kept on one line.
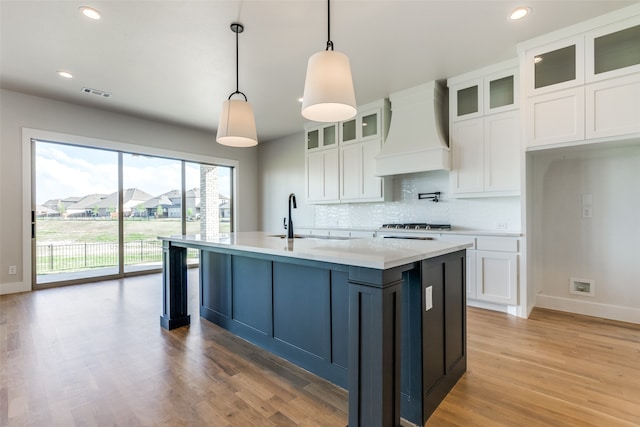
{"points": [[237, 126], [328, 88]]}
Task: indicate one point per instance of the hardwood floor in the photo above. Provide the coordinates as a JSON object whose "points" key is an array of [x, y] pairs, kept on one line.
{"points": [[95, 355]]}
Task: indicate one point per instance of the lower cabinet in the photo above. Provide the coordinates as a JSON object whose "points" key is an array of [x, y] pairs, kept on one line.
{"points": [[496, 270]]}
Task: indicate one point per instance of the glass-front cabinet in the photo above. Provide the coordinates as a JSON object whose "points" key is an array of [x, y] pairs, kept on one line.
{"points": [[555, 66], [493, 93], [321, 136], [613, 50], [365, 125]]}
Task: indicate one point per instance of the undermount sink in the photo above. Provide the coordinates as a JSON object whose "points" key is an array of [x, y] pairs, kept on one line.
{"points": [[297, 236]]}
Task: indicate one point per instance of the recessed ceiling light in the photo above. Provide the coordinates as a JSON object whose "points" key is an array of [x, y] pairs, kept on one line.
{"points": [[519, 13], [90, 12], [65, 74]]}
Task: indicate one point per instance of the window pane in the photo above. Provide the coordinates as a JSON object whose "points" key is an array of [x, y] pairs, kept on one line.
{"points": [[152, 207], [76, 221]]}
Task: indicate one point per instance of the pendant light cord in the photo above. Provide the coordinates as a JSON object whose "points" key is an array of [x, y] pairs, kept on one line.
{"points": [[329, 42], [237, 28]]}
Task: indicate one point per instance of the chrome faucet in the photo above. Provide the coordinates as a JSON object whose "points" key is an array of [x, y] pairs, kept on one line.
{"points": [[289, 227]]}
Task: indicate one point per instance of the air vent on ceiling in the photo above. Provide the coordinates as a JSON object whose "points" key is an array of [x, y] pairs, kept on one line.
{"points": [[96, 92]]}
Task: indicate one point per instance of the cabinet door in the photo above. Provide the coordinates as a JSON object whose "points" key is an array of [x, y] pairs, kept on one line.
{"points": [[466, 100], [351, 171], [502, 152], [613, 107], [371, 184], [501, 91], [315, 177], [323, 136], [322, 176], [497, 277], [467, 148], [613, 50], [331, 175], [555, 117], [555, 66]]}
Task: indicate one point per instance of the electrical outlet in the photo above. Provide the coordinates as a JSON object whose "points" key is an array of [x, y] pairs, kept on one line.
{"points": [[428, 298], [13, 269], [587, 212], [501, 225]]}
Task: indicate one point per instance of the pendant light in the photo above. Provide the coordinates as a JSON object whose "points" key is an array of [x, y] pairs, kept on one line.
{"points": [[328, 87], [237, 125]]}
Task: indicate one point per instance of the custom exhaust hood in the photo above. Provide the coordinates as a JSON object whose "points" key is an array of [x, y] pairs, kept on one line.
{"points": [[417, 137]]}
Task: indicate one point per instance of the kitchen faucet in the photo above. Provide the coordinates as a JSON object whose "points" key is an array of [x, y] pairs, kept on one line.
{"points": [[289, 227]]}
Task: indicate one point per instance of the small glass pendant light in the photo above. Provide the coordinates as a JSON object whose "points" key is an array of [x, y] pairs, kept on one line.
{"points": [[237, 125], [328, 88]]}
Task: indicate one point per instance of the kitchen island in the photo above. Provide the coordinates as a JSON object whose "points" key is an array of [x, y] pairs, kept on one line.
{"points": [[383, 318]]}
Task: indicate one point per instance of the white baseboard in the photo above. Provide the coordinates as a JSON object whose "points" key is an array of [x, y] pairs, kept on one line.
{"points": [[605, 311], [12, 288]]}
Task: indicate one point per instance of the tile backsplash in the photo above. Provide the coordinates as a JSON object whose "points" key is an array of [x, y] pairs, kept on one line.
{"points": [[484, 213]]}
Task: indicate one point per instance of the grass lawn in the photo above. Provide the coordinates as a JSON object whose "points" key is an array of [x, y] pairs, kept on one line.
{"points": [[67, 231]]}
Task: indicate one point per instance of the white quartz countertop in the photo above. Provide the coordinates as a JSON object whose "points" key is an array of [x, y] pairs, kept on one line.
{"points": [[371, 252]]}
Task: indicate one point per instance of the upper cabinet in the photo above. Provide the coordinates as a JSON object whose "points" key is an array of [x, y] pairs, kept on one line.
{"points": [[340, 158], [367, 124], [321, 136], [585, 87], [485, 132], [485, 94], [613, 50]]}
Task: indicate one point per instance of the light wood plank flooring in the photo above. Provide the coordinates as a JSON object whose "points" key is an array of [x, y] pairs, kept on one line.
{"points": [[95, 355]]}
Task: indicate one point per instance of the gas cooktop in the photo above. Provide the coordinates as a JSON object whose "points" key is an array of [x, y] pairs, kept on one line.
{"points": [[420, 226]]}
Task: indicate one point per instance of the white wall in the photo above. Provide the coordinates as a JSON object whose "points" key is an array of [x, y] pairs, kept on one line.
{"points": [[24, 111], [282, 171], [603, 248]]}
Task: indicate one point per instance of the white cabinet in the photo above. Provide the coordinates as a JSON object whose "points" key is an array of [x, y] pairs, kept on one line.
{"points": [[555, 117], [613, 106], [371, 122], [584, 87], [340, 158], [613, 50], [486, 155], [357, 179], [322, 169], [496, 270], [485, 132], [321, 136], [494, 92], [467, 146]]}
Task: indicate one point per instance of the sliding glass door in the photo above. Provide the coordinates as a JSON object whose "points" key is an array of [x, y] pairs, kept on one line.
{"points": [[76, 226], [98, 213], [151, 207]]}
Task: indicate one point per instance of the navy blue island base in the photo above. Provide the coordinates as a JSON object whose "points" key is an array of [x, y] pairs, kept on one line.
{"points": [[365, 329]]}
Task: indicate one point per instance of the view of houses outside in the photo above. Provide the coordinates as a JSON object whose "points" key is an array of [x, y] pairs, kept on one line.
{"points": [[79, 232]]}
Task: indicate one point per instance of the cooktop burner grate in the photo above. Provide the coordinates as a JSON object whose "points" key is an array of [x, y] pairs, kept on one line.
{"points": [[416, 226]]}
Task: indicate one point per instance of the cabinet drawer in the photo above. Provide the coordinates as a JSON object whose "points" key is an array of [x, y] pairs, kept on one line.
{"points": [[500, 244], [459, 239]]}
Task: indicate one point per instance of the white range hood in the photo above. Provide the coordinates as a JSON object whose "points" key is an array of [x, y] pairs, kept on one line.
{"points": [[417, 137]]}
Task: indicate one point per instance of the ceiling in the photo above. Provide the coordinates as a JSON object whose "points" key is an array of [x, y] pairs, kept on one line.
{"points": [[174, 61]]}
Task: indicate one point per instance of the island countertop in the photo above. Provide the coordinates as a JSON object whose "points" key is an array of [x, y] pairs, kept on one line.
{"points": [[371, 252]]}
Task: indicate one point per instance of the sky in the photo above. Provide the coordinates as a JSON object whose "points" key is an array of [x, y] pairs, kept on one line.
{"points": [[63, 171]]}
